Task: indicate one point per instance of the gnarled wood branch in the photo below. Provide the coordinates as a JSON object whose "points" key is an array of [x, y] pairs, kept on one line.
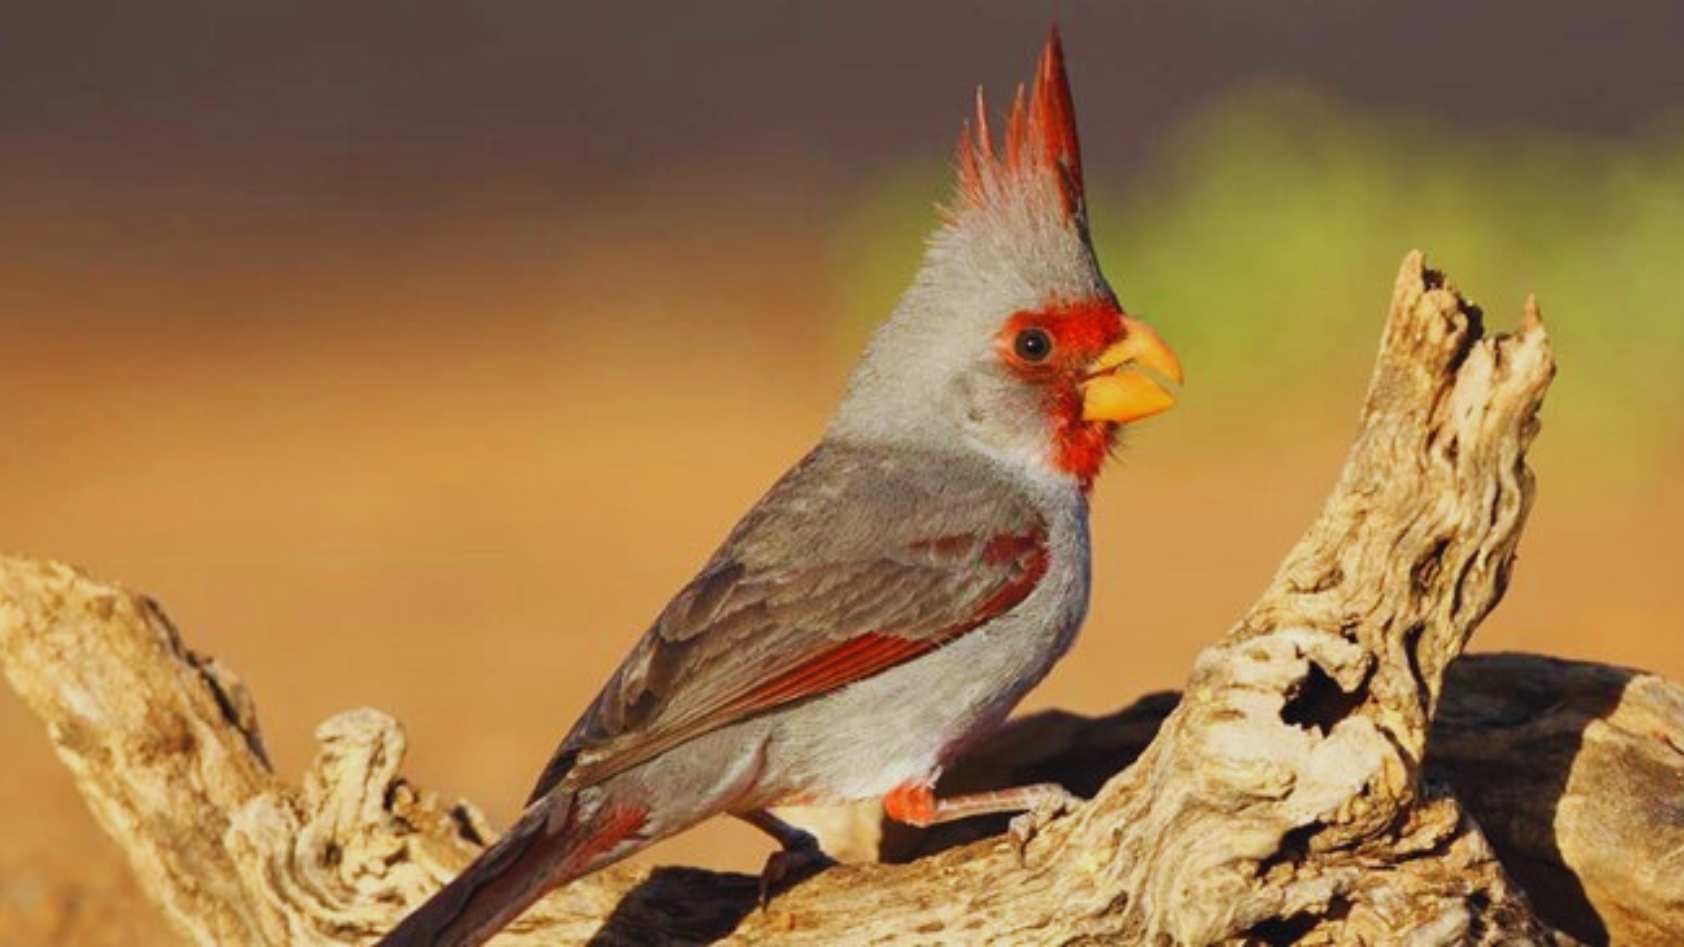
{"points": [[1282, 798], [1574, 772]]}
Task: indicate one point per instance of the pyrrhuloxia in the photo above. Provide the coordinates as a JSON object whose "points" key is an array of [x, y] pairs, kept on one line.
{"points": [[902, 587]]}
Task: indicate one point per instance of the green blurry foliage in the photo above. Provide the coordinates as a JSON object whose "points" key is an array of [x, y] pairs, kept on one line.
{"points": [[1262, 239]]}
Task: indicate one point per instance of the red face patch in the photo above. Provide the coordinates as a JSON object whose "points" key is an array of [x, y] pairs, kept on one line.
{"points": [[1078, 332], [1051, 348]]}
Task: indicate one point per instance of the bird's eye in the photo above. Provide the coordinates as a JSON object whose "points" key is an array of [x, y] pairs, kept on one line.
{"points": [[1033, 345]]}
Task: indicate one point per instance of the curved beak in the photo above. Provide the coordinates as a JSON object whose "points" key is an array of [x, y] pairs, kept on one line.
{"points": [[1130, 380]]}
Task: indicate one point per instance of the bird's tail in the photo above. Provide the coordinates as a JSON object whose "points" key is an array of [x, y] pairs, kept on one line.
{"points": [[555, 841]]}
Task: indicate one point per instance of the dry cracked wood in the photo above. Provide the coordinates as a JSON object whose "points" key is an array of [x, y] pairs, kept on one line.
{"points": [[1283, 796], [1575, 773]]}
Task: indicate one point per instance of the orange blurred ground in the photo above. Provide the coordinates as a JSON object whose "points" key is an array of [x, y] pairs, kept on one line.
{"points": [[458, 496]]}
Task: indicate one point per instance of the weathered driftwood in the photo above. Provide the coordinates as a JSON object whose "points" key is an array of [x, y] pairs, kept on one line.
{"points": [[1575, 773], [1282, 798], [1579, 770]]}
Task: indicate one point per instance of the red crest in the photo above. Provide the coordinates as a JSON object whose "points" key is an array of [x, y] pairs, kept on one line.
{"points": [[1040, 137]]}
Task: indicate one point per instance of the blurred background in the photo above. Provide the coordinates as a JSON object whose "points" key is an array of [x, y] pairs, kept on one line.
{"points": [[412, 354]]}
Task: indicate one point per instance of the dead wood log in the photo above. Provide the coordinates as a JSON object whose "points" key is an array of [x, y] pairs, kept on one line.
{"points": [[1574, 772], [1283, 797]]}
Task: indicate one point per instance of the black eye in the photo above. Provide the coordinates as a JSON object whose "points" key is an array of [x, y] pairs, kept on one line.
{"points": [[1032, 345]]}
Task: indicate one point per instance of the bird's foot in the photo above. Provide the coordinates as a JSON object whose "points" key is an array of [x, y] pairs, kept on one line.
{"points": [[1050, 803], [799, 858]]}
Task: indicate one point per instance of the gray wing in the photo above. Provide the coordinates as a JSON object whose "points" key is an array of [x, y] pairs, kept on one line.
{"points": [[850, 565]]}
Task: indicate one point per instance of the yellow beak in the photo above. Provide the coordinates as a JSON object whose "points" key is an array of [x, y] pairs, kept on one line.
{"points": [[1117, 390]]}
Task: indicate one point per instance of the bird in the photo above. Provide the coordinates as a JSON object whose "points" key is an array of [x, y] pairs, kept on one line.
{"points": [[895, 594]]}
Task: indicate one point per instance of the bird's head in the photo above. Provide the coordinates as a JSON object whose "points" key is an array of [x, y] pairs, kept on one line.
{"points": [[1010, 341]]}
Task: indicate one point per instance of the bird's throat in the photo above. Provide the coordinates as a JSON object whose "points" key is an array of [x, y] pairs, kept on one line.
{"points": [[1080, 447]]}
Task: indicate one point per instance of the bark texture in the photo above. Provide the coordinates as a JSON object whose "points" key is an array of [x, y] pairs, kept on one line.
{"points": [[1283, 797], [1574, 772]]}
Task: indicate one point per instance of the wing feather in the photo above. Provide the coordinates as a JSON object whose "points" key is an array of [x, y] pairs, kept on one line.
{"points": [[815, 590]]}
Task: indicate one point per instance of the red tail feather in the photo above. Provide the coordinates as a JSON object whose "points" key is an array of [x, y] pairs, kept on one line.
{"points": [[533, 857]]}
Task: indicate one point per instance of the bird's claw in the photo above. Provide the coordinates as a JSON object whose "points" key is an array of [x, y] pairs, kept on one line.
{"points": [[801, 857], [1029, 823]]}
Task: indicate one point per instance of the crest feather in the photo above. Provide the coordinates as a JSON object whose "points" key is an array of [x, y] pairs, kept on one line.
{"points": [[1040, 139]]}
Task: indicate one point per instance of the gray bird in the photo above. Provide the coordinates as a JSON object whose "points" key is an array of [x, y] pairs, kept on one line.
{"points": [[899, 590]]}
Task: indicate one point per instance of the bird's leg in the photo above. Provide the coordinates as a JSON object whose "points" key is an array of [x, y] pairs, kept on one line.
{"points": [[799, 852], [915, 804]]}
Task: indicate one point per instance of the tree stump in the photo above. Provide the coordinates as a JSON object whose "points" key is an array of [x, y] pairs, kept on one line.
{"points": [[1291, 794]]}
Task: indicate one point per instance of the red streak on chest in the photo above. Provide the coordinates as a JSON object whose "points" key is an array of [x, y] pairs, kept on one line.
{"points": [[1079, 446]]}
